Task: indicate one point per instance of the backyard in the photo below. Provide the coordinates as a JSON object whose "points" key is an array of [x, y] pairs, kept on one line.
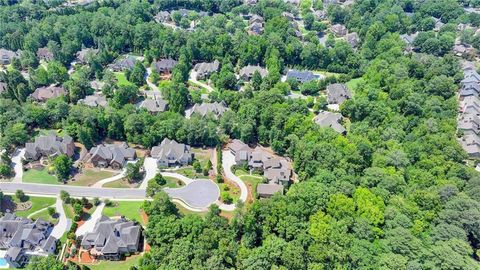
{"points": [[117, 265], [40, 176], [121, 79], [89, 177], [251, 180], [129, 209]]}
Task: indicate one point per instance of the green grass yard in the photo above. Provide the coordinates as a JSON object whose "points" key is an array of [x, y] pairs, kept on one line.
{"points": [[172, 182], [129, 209], [121, 183], [353, 84], [121, 79], [39, 176], [117, 265], [90, 176], [37, 204], [45, 216]]}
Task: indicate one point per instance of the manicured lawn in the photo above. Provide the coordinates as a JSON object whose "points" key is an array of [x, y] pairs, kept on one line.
{"points": [[43, 132], [90, 176], [352, 84], [45, 216], [326, 73], [70, 213], [119, 265], [121, 183], [231, 189], [172, 182], [122, 79], [39, 176], [37, 204], [131, 210], [252, 181], [184, 211]]}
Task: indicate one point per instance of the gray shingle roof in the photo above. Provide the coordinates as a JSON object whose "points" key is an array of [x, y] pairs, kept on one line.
{"points": [[113, 153], [84, 53], [6, 56], [337, 93], [44, 54], [205, 69], [95, 100], [165, 65], [170, 151], [48, 92], [248, 71], [216, 108], [50, 145], [113, 236], [266, 190], [328, 119], [302, 76], [153, 105], [124, 63], [470, 105]]}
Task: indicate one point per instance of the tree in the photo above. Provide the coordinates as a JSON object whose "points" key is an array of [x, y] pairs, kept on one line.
{"points": [[133, 173], [63, 166], [137, 76], [21, 195], [51, 211], [57, 72], [65, 196], [44, 263], [124, 95], [196, 166]]}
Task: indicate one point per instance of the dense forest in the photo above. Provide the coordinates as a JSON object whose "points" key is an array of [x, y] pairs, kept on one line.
{"points": [[394, 193]]}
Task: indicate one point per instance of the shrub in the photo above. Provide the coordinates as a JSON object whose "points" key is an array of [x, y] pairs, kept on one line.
{"points": [[51, 211], [219, 178], [226, 198]]}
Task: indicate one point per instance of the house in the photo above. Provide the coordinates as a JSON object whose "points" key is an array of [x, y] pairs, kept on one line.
{"points": [[255, 29], [469, 124], [438, 24], [97, 85], [123, 63], [353, 39], [470, 83], [215, 108], [462, 50], [289, 16], [470, 105], [84, 54], [171, 153], [95, 100], [155, 105], [301, 76], [205, 69], [44, 54], [332, 120], [246, 73], [471, 144], [163, 17], [113, 155], [49, 146], [6, 56], [250, 2], [408, 39], [320, 15], [337, 93], [276, 170], [268, 190], [112, 239], [165, 66], [45, 93], [339, 30], [24, 238], [256, 19], [292, 2]]}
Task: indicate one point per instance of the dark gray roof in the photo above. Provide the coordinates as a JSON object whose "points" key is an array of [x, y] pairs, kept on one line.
{"points": [[6, 56], [337, 93], [95, 100], [165, 65], [470, 105], [124, 63], [205, 68], [301, 76], [44, 54]]}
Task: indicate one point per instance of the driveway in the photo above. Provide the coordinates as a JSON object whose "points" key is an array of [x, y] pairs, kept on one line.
{"points": [[89, 225], [17, 165], [193, 79], [151, 169], [63, 224], [149, 83], [228, 160], [199, 194]]}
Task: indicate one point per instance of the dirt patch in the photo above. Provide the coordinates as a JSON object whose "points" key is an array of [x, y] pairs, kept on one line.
{"points": [[144, 217], [23, 206]]}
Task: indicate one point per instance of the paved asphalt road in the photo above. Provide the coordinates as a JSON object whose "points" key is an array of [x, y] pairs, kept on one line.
{"points": [[54, 190]]}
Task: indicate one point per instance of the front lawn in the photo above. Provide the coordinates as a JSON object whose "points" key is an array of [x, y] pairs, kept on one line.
{"points": [[89, 177], [37, 204], [45, 216], [40, 176], [121, 183], [117, 265], [172, 182], [129, 209]]}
